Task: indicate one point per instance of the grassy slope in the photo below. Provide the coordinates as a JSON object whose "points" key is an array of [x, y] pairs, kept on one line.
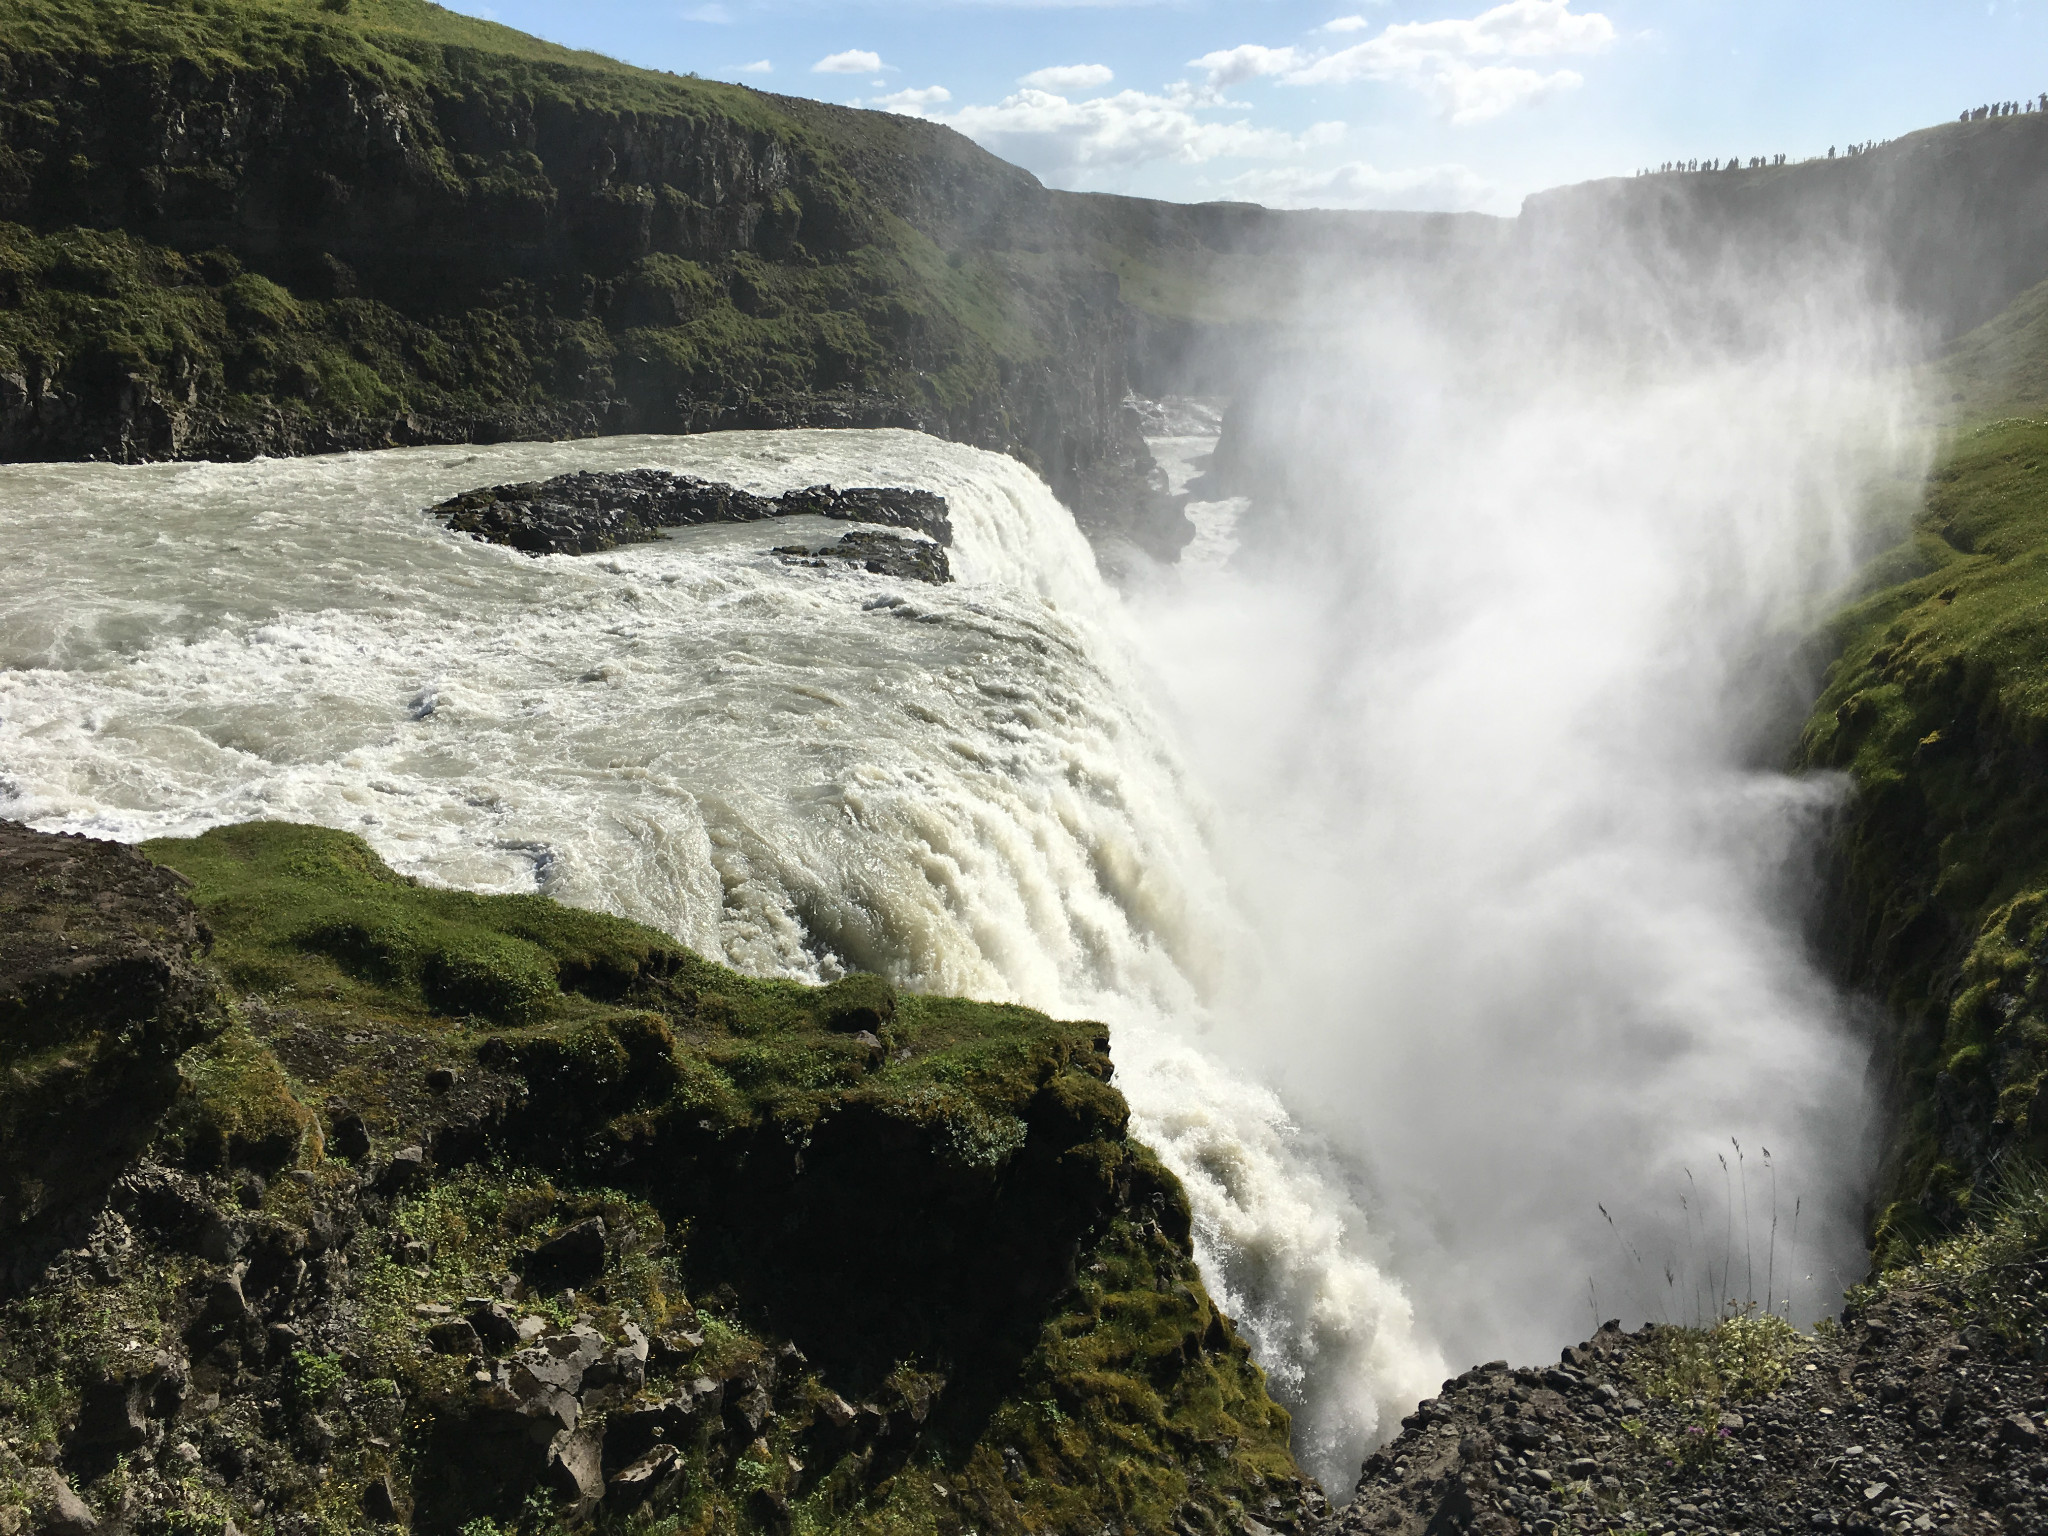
{"points": [[2001, 368], [400, 42], [666, 1093], [1938, 709]]}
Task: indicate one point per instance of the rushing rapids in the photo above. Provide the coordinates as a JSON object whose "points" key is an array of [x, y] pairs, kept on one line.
{"points": [[801, 772]]}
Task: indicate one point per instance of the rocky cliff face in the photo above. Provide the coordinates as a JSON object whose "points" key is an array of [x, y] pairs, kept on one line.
{"points": [[334, 234], [488, 1215]]}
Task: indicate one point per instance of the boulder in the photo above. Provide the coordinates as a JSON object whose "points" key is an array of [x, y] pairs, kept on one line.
{"points": [[838, 1412], [749, 1411], [226, 1308], [633, 1485], [55, 1509], [405, 1169], [575, 1473], [103, 985], [495, 1326], [637, 1432], [581, 1346], [621, 1372], [121, 1405], [457, 1336], [573, 1256], [347, 1134], [2019, 1429]]}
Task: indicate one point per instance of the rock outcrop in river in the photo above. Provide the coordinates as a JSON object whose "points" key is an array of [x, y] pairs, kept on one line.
{"points": [[590, 511]]}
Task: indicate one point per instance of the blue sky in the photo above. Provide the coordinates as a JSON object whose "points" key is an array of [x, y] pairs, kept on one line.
{"points": [[1353, 103]]}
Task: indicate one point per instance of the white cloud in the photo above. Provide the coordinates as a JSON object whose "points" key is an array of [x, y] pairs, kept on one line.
{"points": [[1056, 136], [1462, 63], [1247, 61], [1349, 23], [758, 67], [912, 103], [854, 61], [1518, 29], [1429, 189], [716, 15], [1067, 79], [1475, 95]]}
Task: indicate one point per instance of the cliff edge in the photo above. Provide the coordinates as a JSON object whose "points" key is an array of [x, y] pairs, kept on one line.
{"points": [[483, 1214]]}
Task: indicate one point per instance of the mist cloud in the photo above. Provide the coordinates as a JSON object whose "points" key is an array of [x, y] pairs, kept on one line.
{"points": [[1480, 702], [1357, 184]]}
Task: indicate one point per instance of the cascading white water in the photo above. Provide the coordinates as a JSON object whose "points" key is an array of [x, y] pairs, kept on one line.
{"points": [[963, 787]]}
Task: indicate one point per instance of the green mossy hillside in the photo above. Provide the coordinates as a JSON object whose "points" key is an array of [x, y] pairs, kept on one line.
{"points": [[596, 1012], [2000, 369], [399, 42], [1937, 709], [892, 1261]]}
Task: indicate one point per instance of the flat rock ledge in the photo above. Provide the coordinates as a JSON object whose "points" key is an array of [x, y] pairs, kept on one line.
{"points": [[1910, 1417], [589, 512]]}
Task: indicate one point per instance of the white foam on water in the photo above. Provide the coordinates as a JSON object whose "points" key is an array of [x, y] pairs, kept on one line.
{"points": [[800, 771], [1184, 457]]}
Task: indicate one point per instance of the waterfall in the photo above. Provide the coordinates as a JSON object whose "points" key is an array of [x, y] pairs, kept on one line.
{"points": [[967, 788]]}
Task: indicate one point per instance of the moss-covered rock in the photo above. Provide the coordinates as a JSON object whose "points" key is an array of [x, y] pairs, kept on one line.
{"points": [[652, 1243], [102, 990]]}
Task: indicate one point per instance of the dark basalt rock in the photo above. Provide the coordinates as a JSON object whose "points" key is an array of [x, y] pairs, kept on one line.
{"points": [[879, 554], [573, 1256], [588, 512]]}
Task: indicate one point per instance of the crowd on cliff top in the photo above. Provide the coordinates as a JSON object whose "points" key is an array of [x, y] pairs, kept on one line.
{"points": [[2005, 109], [1758, 162]]}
